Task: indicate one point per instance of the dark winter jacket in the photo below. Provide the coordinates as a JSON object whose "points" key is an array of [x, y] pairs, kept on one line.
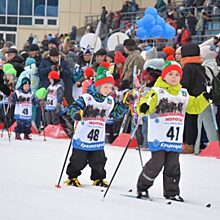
{"points": [[194, 78], [18, 64], [3, 87], [45, 68]]}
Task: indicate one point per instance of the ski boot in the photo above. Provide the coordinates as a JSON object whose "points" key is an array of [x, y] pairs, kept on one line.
{"points": [[26, 137], [73, 182], [18, 137], [100, 182], [175, 198], [143, 194]]}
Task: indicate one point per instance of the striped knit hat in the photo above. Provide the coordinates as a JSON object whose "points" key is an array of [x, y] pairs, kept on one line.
{"points": [[169, 66]]}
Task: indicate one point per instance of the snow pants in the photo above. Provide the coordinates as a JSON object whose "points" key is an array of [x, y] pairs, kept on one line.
{"points": [[80, 158], [171, 172], [23, 126]]}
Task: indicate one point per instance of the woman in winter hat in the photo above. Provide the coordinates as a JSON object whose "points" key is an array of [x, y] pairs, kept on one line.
{"points": [[90, 112]]}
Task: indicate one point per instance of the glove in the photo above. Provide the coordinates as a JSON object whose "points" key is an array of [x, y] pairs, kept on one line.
{"points": [[77, 116], [208, 95], [144, 107]]}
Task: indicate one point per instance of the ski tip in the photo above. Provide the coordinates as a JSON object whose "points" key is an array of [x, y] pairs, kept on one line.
{"points": [[58, 186], [208, 205]]}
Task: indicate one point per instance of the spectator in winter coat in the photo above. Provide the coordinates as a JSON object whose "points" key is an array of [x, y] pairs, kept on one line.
{"points": [[134, 59], [194, 80], [205, 119], [16, 60], [55, 61]]}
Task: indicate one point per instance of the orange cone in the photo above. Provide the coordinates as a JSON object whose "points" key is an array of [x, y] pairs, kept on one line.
{"points": [[212, 150], [55, 131], [123, 139]]}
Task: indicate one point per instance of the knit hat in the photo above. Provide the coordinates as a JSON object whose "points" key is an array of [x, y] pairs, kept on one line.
{"points": [[25, 80], [111, 54], [30, 61], [53, 41], [119, 58], [155, 63], [54, 52], [12, 50], [190, 50], [168, 50], [103, 75], [89, 72], [101, 52], [53, 75], [9, 69], [170, 66], [34, 47]]}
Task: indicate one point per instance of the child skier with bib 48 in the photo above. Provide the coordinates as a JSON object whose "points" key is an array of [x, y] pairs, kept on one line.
{"points": [[89, 138], [166, 104]]}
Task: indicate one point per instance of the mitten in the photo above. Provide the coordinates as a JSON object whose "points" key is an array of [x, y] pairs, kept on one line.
{"points": [[144, 107], [208, 95], [77, 116]]}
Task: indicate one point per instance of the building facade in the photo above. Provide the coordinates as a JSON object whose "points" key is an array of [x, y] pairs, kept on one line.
{"points": [[19, 18]]}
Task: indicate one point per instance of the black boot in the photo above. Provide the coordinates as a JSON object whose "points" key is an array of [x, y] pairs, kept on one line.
{"points": [[143, 194], [175, 198]]}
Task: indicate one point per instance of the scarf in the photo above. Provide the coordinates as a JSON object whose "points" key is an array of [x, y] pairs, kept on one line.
{"points": [[195, 59]]}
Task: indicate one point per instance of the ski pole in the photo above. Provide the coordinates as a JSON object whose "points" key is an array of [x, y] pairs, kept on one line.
{"points": [[67, 153], [43, 119], [126, 148], [64, 164]]}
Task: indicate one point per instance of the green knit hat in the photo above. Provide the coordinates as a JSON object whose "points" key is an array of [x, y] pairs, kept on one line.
{"points": [[103, 75], [9, 69]]}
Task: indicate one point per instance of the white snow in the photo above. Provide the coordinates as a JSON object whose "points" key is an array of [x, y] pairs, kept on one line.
{"points": [[30, 170]]}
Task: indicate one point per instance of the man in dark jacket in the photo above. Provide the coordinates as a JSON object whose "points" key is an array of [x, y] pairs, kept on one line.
{"points": [[194, 80], [16, 60], [55, 62]]}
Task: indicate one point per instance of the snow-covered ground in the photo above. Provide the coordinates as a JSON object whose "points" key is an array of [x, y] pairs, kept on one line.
{"points": [[30, 169]]}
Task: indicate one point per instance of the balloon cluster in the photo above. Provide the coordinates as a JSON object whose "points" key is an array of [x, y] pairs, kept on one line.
{"points": [[154, 26]]}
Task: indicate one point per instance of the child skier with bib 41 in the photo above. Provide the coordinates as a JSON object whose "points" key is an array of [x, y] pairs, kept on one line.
{"points": [[166, 104], [89, 138]]}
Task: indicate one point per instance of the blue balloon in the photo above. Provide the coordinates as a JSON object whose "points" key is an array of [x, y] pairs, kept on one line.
{"points": [[156, 31], [148, 22], [151, 11], [140, 22], [142, 34], [160, 21], [168, 31]]}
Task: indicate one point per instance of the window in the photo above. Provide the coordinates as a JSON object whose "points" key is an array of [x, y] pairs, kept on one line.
{"points": [[12, 7], [39, 21], [12, 20], [10, 37], [39, 8], [2, 20], [25, 21], [51, 22], [25, 7], [52, 8], [2, 6]]}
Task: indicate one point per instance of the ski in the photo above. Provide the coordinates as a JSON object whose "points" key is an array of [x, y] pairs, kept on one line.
{"points": [[135, 197]]}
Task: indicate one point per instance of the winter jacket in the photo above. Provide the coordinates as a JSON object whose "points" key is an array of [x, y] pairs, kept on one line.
{"points": [[3, 87], [195, 105], [18, 64], [45, 68], [133, 59]]}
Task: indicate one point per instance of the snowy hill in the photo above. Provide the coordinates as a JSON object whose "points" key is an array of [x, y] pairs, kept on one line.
{"points": [[30, 169]]}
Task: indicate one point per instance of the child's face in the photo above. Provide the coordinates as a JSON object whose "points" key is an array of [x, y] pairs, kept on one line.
{"points": [[172, 78], [26, 87], [106, 89], [52, 81]]}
